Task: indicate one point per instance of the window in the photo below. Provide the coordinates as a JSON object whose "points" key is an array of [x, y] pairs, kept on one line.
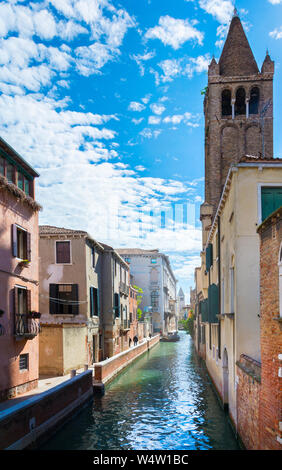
{"points": [[240, 104], [231, 290], [93, 258], [271, 199], [21, 243], [22, 300], [21, 181], [117, 305], [63, 252], [2, 166], [23, 362], [94, 302], [254, 100], [10, 172], [63, 299], [154, 298], [226, 108]]}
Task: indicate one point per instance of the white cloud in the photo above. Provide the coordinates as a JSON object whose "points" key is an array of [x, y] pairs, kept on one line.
{"points": [[157, 108], [222, 10], [174, 32], [137, 121], [276, 33], [275, 2], [140, 58], [154, 120], [135, 106], [185, 66]]}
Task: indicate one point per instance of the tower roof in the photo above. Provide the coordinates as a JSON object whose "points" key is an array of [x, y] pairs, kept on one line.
{"points": [[237, 58]]}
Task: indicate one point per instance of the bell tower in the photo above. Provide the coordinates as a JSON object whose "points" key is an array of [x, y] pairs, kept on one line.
{"points": [[238, 109]]}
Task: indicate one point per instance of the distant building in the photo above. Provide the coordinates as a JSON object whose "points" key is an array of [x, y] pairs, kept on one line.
{"points": [[180, 304], [70, 300], [115, 302], [19, 309], [152, 272]]}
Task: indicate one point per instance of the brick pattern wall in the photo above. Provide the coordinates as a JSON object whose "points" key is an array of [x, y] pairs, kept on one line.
{"points": [[271, 337], [248, 398]]}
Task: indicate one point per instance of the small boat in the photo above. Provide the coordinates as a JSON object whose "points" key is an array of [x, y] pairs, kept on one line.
{"points": [[174, 336]]}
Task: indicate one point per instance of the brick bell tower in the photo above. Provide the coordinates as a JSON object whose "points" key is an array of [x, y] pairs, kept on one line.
{"points": [[238, 109]]}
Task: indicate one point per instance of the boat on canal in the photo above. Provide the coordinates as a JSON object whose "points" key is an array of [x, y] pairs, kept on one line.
{"points": [[171, 336]]}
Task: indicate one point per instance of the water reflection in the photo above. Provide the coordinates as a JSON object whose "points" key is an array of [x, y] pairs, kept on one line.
{"points": [[162, 401]]}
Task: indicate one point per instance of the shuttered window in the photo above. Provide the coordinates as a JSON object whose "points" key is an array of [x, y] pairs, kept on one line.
{"points": [[209, 257], [2, 166], [94, 302], [21, 243], [23, 362], [63, 252], [271, 199], [63, 299], [117, 305]]}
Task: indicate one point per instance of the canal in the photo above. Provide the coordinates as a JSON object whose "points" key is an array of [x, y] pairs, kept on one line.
{"points": [[163, 401]]}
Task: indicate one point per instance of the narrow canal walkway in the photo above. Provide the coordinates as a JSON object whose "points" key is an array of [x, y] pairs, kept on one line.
{"points": [[164, 400]]}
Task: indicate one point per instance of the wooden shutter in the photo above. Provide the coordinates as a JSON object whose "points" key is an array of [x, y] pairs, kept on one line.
{"points": [[53, 293], [28, 301], [14, 240], [75, 308], [28, 246], [209, 257], [271, 199], [62, 252], [91, 301], [16, 301], [98, 302]]}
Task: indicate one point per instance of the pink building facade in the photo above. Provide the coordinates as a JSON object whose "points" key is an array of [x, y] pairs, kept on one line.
{"points": [[19, 324]]}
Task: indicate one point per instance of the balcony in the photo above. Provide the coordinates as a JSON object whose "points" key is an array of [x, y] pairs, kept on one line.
{"points": [[123, 288], [125, 325], [26, 326]]}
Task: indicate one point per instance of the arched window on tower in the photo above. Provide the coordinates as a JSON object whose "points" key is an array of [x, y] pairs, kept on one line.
{"points": [[240, 103], [226, 108], [254, 100]]}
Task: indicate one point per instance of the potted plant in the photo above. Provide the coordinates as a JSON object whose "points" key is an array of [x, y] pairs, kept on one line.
{"points": [[24, 262], [34, 314]]}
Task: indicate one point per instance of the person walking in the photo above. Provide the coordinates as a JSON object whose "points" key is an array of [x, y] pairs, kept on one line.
{"points": [[135, 340]]}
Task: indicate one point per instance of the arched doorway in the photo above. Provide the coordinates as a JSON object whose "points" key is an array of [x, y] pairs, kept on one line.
{"points": [[225, 379]]}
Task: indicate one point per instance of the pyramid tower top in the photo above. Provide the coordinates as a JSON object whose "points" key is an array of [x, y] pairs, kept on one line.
{"points": [[237, 58]]}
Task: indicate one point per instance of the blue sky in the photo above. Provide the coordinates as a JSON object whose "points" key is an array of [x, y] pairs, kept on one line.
{"points": [[103, 98]]}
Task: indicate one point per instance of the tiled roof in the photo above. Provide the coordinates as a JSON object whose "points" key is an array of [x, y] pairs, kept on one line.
{"points": [[50, 229], [237, 58], [258, 159], [136, 251]]}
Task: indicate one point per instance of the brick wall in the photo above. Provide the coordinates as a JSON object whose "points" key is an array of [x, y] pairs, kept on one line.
{"points": [[271, 335], [248, 397]]}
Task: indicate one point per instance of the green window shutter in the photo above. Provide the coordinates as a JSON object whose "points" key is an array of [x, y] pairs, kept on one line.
{"points": [[209, 257], [213, 299], [91, 302], [98, 302], [271, 199]]}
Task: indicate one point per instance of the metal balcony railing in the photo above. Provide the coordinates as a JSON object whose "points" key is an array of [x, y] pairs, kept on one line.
{"points": [[26, 326], [123, 288], [125, 325]]}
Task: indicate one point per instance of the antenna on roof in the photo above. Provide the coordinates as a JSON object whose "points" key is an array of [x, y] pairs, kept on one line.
{"points": [[235, 12]]}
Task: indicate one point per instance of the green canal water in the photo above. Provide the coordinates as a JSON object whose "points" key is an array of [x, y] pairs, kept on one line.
{"points": [[163, 401]]}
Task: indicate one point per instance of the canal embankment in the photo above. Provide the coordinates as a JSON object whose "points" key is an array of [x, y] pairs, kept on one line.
{"points": [[25, 420], [29, 418], [105, 371]]}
